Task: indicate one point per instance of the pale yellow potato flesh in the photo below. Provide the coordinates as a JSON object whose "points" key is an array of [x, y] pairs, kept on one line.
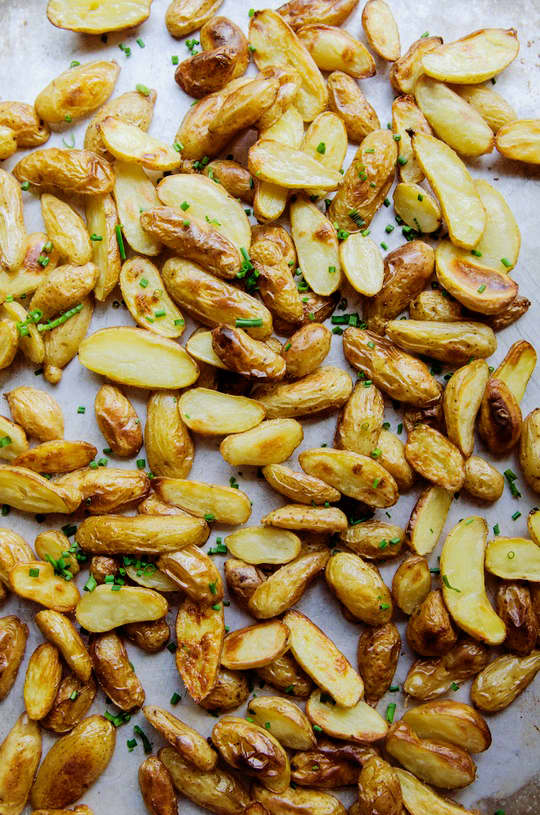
{"points": [[417, 207], [143, 301], [199, 346], [270, 199], [461, 402], [420, 799], [212, 413], [428, 519], [517, 368], [129, 143], [520, 140], [474, 58], [271, 442], [362, 263], [283, 165], [210, 501], [30, 492], [514, 559], [462, 574], [97, 16], [263, 544], [254, 646], [353, 474], [316, 244], [360, 723], [381, 29], [334, 49], [133, 192], [491, 106], [328, 130], [103, 609], [501, 237]]}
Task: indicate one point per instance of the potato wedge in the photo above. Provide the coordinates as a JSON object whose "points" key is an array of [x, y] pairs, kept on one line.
{"points": [[22, 120], [147, 301], [133, 107], [429, 678], [419, 798], [362, 264], [439, 763], [353, 474], [129, 143], [516, 368], [255, 646], [515, 606], [316, 243], [366, 182], [381, 30], [184, 16], [115, 673], [30, 492], [359, 586], [378, 789], [286, 586], [104, 609], [91, 17], [217, 790], [299, 487], [271, 199], [482, 480], [334, 49], [301, 12], [242, 743], [396, 373], [42, 681], [90, 744], [66, 229], [133, 192], [13, 636], [285, 674], [288, 724], [374, 540], [453, 342], [514, 559], [20, 753], [462, 570], [271, 442], [61, 632], [276, 43], [360, 723], [405, 71], [210, 413], [287, 167], [529, 450], [13, 550], [322, 660], [199, 346], [246, 356], [57, 456], [329, 130], [491, 106], [209, 501], [435, 458], [107, 489], [360, 422], [503, 680], [302, 801], [151, 578], [407, 116], [70, 171], [118, 421], [15, 442], [199, 632], [326, 388], [169, 446], [520, 140], [12, 230], [347, 100], [417, 208], [62, 343], [378, 655], [260, 544], [501, 238], [242, 580], [461, 402], [453, 722], [130, 356], [140, 535], [454, 188], [186, 741], [411, 583], [31, 343], [428, 519], [474, 58], [156, 787]]}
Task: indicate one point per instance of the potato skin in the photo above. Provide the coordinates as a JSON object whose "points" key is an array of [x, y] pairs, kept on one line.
{"points": [[63, 288], [77, 92], [482, 480], [206, 72], [26, 125], [285, 674], [73, 764], [430, 631], [411, 583], [330, 764], [183, 17], [246, 356], [253, 750], [13, 636], [43, 676], [71, 171], [347, 100], [132, 107], [435, 458], [429, 678], [359, 586], [242, 580], [499, 422], [378, 654], [304, 12], [235, 178], [230, 691], [529, 450], [405, 71], [66, 711], [157, 788], [169, 447], [379, 790], [118, 421], [503, 680], [151, 636], [306, 350], [20, 753], [185, 740], [37, 412], [514, 606], [114, 672]]}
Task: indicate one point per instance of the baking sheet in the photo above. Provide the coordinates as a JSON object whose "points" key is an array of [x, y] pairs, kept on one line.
{"points": [[32, 52]]}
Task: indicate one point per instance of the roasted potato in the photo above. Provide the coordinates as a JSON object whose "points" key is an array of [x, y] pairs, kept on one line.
{"points": [[194, 572], [435, 458], [301, 12], [334, 49], [419, 798], [72, 702], [199, 632], [157, 788], [360, 723], [271, 442], [379, 790], [168, 444], [285, 586], [407, 117], [70, 171], [117, 419], [104, 609], [186, 741], [20, 753], [133, 107], [230, 691], [430, 631], [150, 636], [529, 450], [405, 71], [347, 100], [225, 57], [326, 388], [440, 763], [285, 674], [378, 654], [461, 402], [61, 632], [115, 673], [520, 140], [43, 676], [62, 342], [430, 678], [13, 636], [299, 487], [411, 584], [434, 305], [515, 608], [217, 789], [503, 680], [254, 751], [235, 178], [139, 535], [91, 17], [246, 356], [482, 480], [302, 801], [12, 229], [473, 58], [381, 30]]}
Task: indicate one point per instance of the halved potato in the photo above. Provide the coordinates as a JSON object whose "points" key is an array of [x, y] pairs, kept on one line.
{"points": [[374, 540], [478, 287], [461, 206], [199, 632], [503, 680], [359, 587], [200, 347], [501, 238], [205, 198], [454, 342], [133, 193], [301, 12], [37, 580], [360, 723], [212, 413], [66, 229], [136, 357], [271, 442], [362, 264], [140, 534], [411, 584], [133, 107], [353, 474], [482, 480], [17, 442], [31, 492], [97, 16], [76, 92], [428, 519], [57, 456], [381, 30], [288, 723], [275, 43], [435, 458], [347, 100], [255, 646], [209, 501], [287, 167], [419, 798], [520, 140], [241, 743], [491, 106], [405, 71], [286, 586], [185, 740], [461, 402], [217, 790], [246, 356], [360, 422], [148, 302], [316, 243], [301, 801], [298, 486], [109, 607], [334, 49], [129, 143], [329, 130], [194, 573], [462, 573], [322, 660], [102, 220], [438, 762], [529, 450], [417, 207], [12, 230], [326, 388], [151, 578], [514, 559], [517, 368], [452, 118], [450, 721], [407, 119], [436, 306], [262, 544], [185, 16], [474, 58], [270, 199]]}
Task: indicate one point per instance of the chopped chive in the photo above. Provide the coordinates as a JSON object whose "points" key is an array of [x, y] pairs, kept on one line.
{"points": [[399, 427], [454, 686], [481, 288], [120, 241], [81, 409], [496, 529], [141, 463], [175, 698], [402, 160], [143, 89], [511, 555], [448, 585], [390, 712], [73, 696], [74, 63], [147, 744], [33, 572], [506, 262], [209, 517], [212, 587], [383, 245], [317, 729], [184, 205], [68, 118], [94, 237], [476, 253], [241, 322], [172, 647], [516, 515], [321, 148], [178, 146], [393, 688], [389, 228], [143, 282], [90, 584], [140, 42], [25, 185], [174, 60]]}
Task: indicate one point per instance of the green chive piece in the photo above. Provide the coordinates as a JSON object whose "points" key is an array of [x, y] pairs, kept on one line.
{"points": [[448, 585], [506, 262], [175, 698], [33, 572], [390, 712], [174, 60], [240, 322], [120, 241], [143, 89], [321, 148]]}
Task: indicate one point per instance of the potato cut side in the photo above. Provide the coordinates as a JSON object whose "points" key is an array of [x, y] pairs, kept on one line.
{"points": [[334, 49], [283, 165], [461, 402], [420, 799], [104, 609], [206, 198], [133, 192], [209, 501], [129, 143], [151, 578], [275, 43], [133, 356], [97, 16], [199, 346], [475, 58], [381, 29], [330, 130], [517, 368], [263, 544], [453, 342], [501, 238], [102, 219], [362, 264], [298, 486], [18, 443], [145, 296], [454, 187], [212, 413], [462, 574], [492, 107], [288, 723], [30, 492], [407, 119], [533, 525], [199, 632], [434, 457], [417, 207], [438, 762], [452, 118], [476, 286], [514, 559], [271, 442], [316, 244], [322, 660], [286, 585], [37, 581], [450, 721], [254, 646], [360, 723], [353, 474], [520, 140]]}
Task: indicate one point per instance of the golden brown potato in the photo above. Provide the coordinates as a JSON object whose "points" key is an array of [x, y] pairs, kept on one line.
{"points": [[72, 702], [26, 125], [199, 631], [482, 480], [217, 790], [452, 342], [285, 720], [517, 308], [302, 12], [23, 489], [230, 691], [102, 609], [37, 412], [374, 540], [13, 550], [8, 142], [62, 343], [334, 49], [436, 762], [314, 519], [225, 56], [519, 140], [360, 723], [411, 583], [434, 305], [77, 92], [64, 288], [286, 585], [132, 107], [430, 631], [234, 177], [30, 272], [9, 337], [143, 293], [97, 17], [168, 445], [13, 236], [194, 572], [301, 801], [326, 388], [299, 487], [429, 678], [140, 535], [157, 788], [57, 456], [42, 680], [54, 544], [253, 750], [20, 753], [114, 671], [407, 117], [70, 171], [184, 16], [406, 70], [529, 450], [150, 636], [13, 636], [360, 421], [89, 747], [16, 441], [37, 581], [66, 229], [499, 424], [330, 764], [59, 630], [359, 586], [476, 285], [356, 195], [186, 741], [379, 790], [107, 489], [241, 353], [503, 680], [117, 419], [305, 351], [401, 376], [378, 654], [353, 474], [276, 285], [435, 458], [454, 722], [285, 675], [242, 580], [515, 608]]}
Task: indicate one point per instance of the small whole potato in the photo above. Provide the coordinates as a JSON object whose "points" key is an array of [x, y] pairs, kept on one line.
{"points": [[150, 636], [430, 631], [114, 671], [118, 421], [64, 288], [225, 56], [42, 680], [360, 422], [514, 606], [246, 356], [230, 691], [157, 788], [482, 480], [254, 750], [429, 678], [13, 636], [72, 703], [285, 674], [503, 680], [374, 540], [529, 450], [71, 171], [306, 350], [77, 92], [411, 583], [242, 580], [236, 179], [20, 753], [347, 100], [378, 654], [25, 123], [359, 586], [379, 790], [185, 740], [169, 447]]}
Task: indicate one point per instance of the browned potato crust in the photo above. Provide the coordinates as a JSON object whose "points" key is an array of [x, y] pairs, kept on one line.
{"points": [[411, 583], [114, 671], [429, 678], [70, 171], [514, 606], [118, 421], [379, 790], [236, 179], [22, 119], [73, 700], [13, 636], [430, 631], [242, 580], [347, 100], [306, 350], [230, 691], [150, 636], [303, 12], [285, 674], [246, 356], [378, 654], [499, 420], [157, 788]]}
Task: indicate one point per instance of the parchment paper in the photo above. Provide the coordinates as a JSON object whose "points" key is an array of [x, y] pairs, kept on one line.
{"points": [[32, 52]]}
